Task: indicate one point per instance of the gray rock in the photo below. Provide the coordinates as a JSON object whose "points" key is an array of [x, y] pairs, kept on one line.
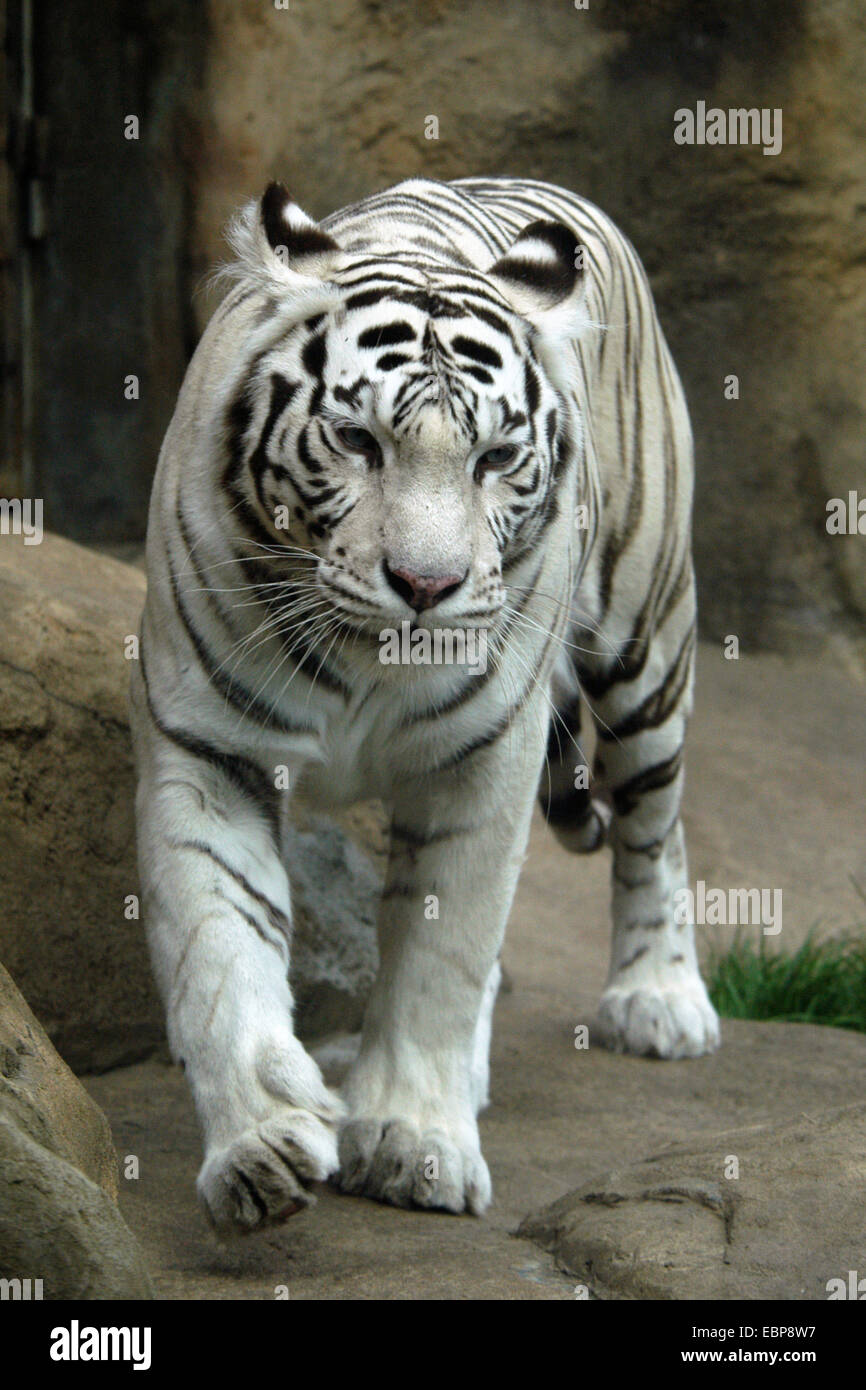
{"points": [[67, 853], [58, 1227], [769, 1212], [58, 1174], [43, 1097], [335, 894]]}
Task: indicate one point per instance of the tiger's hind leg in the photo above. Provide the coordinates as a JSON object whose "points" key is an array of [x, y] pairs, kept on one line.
{"points": [[655, 1001], [578, 818]]}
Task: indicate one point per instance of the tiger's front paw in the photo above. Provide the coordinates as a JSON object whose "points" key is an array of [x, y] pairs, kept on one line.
{"points": [[262, 1176], [656, 1019], [407, 1164]]}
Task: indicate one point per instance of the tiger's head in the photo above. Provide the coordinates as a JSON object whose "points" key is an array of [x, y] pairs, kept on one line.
{"points": [[400, 420]]}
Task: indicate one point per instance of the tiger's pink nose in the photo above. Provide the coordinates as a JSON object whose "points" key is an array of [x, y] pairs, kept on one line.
{"points": [[422, 590]]}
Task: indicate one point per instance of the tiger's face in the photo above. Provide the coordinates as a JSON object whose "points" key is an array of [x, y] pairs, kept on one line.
{"points": [[407, 435]]}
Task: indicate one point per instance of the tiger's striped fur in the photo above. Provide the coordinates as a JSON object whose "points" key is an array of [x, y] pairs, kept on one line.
{"points": [[450, 404]]}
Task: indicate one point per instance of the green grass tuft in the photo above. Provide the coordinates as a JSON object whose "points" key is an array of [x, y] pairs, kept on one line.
{"points": [[822, 982]]}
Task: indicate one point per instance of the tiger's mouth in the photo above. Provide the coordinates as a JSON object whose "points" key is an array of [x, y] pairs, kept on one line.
{"points": [[371, 621], [370, 611]]}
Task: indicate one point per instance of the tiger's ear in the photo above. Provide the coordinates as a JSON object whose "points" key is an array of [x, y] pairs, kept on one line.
{"points": [[281, 251], [542, 277], [294, 238]]}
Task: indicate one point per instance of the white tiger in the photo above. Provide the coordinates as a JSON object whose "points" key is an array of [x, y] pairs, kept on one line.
{"points": [[450, 405]]}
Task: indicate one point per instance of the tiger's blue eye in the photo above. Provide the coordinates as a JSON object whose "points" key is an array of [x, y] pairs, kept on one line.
{"points": [[498, 457], [357, 438]]}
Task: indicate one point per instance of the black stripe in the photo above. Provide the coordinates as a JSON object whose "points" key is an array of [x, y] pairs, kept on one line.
{"points": [[282, 394], [386, 334], [246, 775], [531, 387], [350, 395], [495, 321], [254, 1196], [277, 918], [628, 795], [505, 721], [315, 355], [568, 720], [635, 956], [235, 692], [567, 810], [389, 360], [366, 297], [479, 352], [652, 848], [657, 707], [248, 918]]}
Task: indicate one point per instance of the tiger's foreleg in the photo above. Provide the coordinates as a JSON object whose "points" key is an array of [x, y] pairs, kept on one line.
{"points": [[458, 841], [217, 908]]}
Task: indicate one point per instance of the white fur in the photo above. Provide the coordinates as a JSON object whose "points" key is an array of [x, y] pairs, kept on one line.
{"points": [[216, 895]]}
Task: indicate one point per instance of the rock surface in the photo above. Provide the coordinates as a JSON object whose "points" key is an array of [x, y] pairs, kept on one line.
{"points": [[46, 1099], [559, 1118], [67, 854], [774, 1212], [58, 1173]]}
